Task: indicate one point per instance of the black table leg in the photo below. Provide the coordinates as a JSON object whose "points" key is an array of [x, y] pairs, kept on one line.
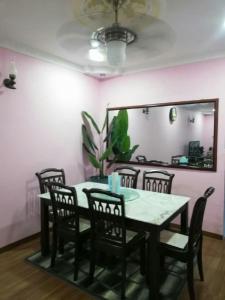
{"points": [[153, 264], [44, 229], [184, 220]]}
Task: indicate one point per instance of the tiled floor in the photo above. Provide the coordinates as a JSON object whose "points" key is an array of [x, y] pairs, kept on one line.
{"points": [[107, 280]]}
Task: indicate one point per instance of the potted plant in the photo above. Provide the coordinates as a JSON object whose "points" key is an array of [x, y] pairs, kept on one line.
{"points": [[95, 145], [115, 145]]}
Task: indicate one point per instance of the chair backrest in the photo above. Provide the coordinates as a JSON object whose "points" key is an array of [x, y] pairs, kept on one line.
{"points": [[64, 203], [50, 175], [209, 191], [129, 176], [141, 158], [195, 230], [107, 213], [157, 181]]}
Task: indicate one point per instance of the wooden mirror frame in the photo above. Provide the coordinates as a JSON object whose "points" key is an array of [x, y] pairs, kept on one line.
{"points": [[216, 107]]}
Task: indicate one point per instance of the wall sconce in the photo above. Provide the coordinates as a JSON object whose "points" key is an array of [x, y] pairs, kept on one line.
{"points": [[191, 119], [146, 110], [10, 82]]}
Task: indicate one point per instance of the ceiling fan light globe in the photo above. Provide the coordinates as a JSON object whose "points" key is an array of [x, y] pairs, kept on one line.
{"points": [[116, 52], [97, 54]]}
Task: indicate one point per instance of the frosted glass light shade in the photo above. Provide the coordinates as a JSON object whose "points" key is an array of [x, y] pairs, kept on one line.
{"points": [[97, 54], [116, 52]]}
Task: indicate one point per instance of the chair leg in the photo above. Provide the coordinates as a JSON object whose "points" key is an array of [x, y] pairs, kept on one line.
{"points": [[199, 257], [92, 262], [190, 279], [142, 258], [76, 262], [61, 246], [54, 247], [162, 262], [124, 271]]}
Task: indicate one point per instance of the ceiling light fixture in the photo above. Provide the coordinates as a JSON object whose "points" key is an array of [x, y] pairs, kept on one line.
{"points": [[11, 81], [115, 38], [97, 54]]}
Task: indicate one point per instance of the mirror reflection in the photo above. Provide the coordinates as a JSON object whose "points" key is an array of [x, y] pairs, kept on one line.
{"points": [[177, 135]]}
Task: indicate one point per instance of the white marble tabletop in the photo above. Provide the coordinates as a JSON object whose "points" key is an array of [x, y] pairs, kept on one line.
{"points": [[144, 206]]}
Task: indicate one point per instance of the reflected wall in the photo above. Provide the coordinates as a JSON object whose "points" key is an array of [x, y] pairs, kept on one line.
{"points": [[179, 134]]}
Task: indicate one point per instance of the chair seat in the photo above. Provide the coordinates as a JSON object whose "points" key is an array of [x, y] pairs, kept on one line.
{"points": [[70, 225], [84, 224], [132, 235], [173, 239]]}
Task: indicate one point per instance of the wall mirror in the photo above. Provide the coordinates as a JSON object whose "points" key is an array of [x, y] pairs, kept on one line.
{"points": [[174, 135]]}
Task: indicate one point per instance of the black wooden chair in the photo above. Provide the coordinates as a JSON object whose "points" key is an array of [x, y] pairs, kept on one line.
{"points": [[186, 247], [109, 232], [45, 177], [157, 181], [67, 224], [129, 176], [50, 175]]}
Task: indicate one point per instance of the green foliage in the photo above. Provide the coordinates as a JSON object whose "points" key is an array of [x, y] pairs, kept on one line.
{"points": [[93, 142], [119, 138], [118, 141]]}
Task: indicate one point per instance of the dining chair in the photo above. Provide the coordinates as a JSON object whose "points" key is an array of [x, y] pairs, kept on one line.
{"points": [[50, 175], [157, 181], [47, 176], [109, 233], [186, 247], [67, 223], [129, 176]]}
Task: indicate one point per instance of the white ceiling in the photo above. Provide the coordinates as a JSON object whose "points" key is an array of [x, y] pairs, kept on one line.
{"points": [[181, 31]]}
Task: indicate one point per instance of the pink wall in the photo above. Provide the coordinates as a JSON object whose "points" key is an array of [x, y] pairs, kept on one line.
{"points": [[40, 126], [187, 82]]}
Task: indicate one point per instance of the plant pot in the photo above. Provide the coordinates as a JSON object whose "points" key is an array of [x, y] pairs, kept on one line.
{"points": [[99, 179]]}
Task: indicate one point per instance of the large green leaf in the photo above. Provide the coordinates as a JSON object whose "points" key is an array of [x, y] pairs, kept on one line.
{"points": [[94, 161], [122, 122], [106, 153], [88, 142], [125, 144], [86, 115], [105, 122]]}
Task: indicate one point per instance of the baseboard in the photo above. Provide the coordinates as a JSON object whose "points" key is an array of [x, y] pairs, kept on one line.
{"points": [[17, 243], [206, 233]]}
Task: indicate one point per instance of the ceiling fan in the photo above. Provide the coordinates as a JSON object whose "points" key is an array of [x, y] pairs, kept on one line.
{"points": [[114, 38], [116, 34]]}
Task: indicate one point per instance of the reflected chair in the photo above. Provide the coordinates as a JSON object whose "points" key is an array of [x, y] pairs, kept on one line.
{"points": [[157, 181], [109, 233], [67, 224], [186, 247], [141, 158], [129, 176]]}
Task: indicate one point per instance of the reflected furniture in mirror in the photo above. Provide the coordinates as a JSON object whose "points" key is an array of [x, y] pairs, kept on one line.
{"points": [[174, 134]]}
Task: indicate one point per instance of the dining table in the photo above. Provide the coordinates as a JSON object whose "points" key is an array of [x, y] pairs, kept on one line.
{"points": [[147, 211]]}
